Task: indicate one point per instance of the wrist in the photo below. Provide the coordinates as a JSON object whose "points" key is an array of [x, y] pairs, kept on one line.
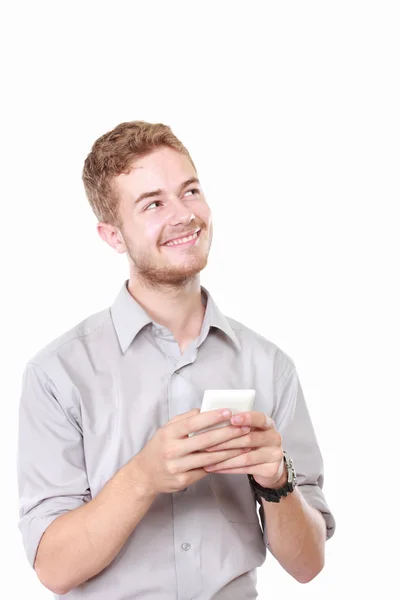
{"points": [[139, 481], [281, 482]]}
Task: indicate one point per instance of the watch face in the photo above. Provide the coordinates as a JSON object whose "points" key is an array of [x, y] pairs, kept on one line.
{"points": [[292, 479]]}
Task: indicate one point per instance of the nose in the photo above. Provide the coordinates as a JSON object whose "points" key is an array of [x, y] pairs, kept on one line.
{"points": [[180, 214]]}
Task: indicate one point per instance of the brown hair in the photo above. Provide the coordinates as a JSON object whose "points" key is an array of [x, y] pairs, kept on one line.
{"points": [[114, 153]]}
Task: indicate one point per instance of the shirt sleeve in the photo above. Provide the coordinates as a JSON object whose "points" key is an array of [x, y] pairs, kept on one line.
{"points": [[52, 477], [293, 422]]}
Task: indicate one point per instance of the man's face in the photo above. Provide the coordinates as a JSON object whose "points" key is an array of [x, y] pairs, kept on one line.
{"points": [[176, 209]]}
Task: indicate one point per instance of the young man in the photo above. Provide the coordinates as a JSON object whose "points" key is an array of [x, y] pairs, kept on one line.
{"points": [[116, 499]]}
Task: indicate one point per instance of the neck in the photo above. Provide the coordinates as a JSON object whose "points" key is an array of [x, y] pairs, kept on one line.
{"points": [[179, 308]]}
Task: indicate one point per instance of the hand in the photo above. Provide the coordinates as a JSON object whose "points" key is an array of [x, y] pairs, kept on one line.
{"points": [[171, 460], [264, 460]]}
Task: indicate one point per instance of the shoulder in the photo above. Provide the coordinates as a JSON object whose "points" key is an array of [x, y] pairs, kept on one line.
{"points": [[252, 341], [70, 343]]}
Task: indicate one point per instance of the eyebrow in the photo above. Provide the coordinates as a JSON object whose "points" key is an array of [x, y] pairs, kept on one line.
{"points": [[159, 192]]}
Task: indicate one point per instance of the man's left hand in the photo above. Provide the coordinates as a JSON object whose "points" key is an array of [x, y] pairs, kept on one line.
{"points": [[264, 458]]}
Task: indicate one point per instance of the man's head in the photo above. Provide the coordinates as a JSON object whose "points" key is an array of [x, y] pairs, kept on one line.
{"points": [[143, 188]]}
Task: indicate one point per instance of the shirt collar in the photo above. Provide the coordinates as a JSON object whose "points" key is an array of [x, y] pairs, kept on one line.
{"points": [[129, 317], [214, 318]]}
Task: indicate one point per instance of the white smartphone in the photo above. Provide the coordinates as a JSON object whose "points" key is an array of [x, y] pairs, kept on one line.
{"points": [[236, 400]]}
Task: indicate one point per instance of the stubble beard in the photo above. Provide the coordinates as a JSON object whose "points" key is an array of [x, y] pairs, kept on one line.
{"points": [[152, 275]]}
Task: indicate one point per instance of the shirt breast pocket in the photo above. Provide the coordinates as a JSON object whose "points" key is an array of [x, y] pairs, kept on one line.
{"points": [[235, 497]]}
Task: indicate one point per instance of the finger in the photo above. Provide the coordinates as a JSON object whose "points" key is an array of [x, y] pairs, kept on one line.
{"points": [[177, 418], [261, 469], [200, 442], [242, 471], [202, 459], [254, 439], [200, 421], [253, 419], [247, 459]]}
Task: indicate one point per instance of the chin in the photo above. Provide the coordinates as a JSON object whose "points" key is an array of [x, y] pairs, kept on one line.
{"points": [[156, 272], [180, 275]]}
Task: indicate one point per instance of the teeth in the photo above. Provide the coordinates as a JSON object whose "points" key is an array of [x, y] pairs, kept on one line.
{"points": [[183, 240]]}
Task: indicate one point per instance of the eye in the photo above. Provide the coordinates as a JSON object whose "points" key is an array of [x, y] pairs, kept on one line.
{"points": [[151, 204], [195, 190]]}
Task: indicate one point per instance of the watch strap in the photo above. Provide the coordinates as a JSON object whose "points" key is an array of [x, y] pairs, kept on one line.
{"points": [[271, 494]]}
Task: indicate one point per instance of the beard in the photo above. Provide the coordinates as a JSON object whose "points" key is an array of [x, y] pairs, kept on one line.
{"points": [[152, 274]]}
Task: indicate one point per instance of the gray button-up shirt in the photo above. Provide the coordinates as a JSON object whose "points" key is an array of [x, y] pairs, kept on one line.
{"points": [[93, 398]]}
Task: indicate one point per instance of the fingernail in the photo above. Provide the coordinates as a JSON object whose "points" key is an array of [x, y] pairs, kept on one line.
{"points": [[226, 412], [245, 429], [237, 419]]}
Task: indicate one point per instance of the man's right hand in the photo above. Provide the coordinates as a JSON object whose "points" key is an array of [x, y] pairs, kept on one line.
{"points": [[171, 461]]}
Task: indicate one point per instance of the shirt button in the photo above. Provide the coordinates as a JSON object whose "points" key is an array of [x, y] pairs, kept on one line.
{"points": [[177, 372], [186, 547]]}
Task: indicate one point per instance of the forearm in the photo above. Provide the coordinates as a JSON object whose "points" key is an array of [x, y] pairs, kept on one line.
{"points": [[296, 535], [81, 543]]}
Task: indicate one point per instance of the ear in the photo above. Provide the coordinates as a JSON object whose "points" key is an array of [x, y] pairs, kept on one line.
{"points": [[112, 236]]}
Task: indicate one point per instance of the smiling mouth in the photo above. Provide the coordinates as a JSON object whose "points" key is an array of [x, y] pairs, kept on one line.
{"points": [[190, 239]]}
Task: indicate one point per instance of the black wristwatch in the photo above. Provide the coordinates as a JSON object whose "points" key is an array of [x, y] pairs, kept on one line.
{"points": [[271, 495]]}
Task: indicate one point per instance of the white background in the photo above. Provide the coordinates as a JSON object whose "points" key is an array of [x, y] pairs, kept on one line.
{"points": [[291, 113]]}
